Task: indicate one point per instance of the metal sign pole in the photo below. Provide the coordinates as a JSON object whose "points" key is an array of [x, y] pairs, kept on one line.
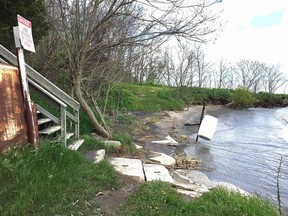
{"points": [[31, 121]]}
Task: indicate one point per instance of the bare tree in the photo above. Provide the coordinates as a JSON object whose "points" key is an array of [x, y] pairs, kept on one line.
{"points": [[93, 32], [273, 78], [249, 74], [222, 75], [183, 57], [202, 67]]}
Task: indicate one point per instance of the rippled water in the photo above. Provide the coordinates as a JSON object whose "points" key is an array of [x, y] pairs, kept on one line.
{"points": [[246, 149]]}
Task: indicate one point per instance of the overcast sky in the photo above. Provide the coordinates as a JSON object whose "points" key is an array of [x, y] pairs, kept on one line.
{"points": [[253, 29]]}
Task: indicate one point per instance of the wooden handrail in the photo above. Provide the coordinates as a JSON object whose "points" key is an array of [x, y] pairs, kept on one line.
{"points": [[41, 80], [43, 85]]}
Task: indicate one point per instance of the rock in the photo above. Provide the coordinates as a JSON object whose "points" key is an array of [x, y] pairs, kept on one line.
{"points": [[111, 143], [162, 158], [197, 177], [130, 167], [155, 172], [233, 188], [99, 156]]}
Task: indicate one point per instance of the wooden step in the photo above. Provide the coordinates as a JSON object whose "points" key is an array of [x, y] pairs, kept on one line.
{"points": [[76, 144], [50, 130], [43, 121], [69, 135]]}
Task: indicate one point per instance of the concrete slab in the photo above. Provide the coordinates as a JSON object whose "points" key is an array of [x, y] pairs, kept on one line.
{"points": [[187, 184], [130, 167], [155, 172], [197, 177], [168, 141], [163, 159]]}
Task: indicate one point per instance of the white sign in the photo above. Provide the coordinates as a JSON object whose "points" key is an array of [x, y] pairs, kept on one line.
{"points": [[25, 33]]}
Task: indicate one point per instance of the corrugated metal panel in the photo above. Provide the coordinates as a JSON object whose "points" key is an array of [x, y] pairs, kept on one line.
{"points": [[13, 127]]}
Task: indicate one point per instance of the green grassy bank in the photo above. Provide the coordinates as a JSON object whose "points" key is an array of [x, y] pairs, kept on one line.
{"points": [[131, 97]]}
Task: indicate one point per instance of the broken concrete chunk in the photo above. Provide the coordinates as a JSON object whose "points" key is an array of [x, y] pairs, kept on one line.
{"points": [[155, 172], [197, 177], [130, 167], [163, 159], [233, 188], [189, 193], [188, 184], [168, 141]]}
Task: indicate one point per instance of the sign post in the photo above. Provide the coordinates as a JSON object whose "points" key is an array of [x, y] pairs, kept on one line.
{"points": [[23, 36], [25, 33]]}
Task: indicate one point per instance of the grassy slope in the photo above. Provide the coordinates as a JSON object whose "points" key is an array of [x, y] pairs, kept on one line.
{"points": [[52, 181], [160, 199]]}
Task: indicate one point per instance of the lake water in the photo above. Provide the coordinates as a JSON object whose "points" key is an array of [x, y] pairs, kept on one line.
{"points": [[246, 150]]}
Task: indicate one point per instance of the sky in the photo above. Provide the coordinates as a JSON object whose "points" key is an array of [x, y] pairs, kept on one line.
{"points": [[253, 29]]}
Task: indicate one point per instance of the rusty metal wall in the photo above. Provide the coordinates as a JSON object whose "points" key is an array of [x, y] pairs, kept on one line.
{"points": [[13, 126]]}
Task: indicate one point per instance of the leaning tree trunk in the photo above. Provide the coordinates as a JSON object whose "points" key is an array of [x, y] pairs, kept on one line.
{"points": [[100, 130]]}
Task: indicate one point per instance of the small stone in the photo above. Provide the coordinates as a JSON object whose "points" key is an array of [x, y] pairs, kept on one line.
{"points": [[100, 155], [138, 146]]}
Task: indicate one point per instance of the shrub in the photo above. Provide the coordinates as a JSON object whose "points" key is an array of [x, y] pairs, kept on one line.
{"points": [[242, 98]]}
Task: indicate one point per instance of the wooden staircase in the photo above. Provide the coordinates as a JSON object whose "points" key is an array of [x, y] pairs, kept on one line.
{"points": [[57, 112]]}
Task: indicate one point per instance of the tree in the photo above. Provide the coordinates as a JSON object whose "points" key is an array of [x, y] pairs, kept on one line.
{"points": [[273, 78], [249, 74], [202, 67], [33, 10], [93, 32], [222, 75], [186, 61]]}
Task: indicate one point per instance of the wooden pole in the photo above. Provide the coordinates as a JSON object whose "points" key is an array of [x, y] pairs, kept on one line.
{"points": [[30, 118], [201, 118]]}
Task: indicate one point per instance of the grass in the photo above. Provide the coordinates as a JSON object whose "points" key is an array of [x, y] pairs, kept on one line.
{"points": [[160, 199], [51, 181], [130, 97]]}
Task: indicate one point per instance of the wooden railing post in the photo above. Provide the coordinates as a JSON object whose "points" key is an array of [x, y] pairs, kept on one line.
{"points": [[63, 125], [77, 124]]}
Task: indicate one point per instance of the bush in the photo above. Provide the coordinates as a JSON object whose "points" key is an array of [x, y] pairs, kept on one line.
{"points": [[242, 98]]}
